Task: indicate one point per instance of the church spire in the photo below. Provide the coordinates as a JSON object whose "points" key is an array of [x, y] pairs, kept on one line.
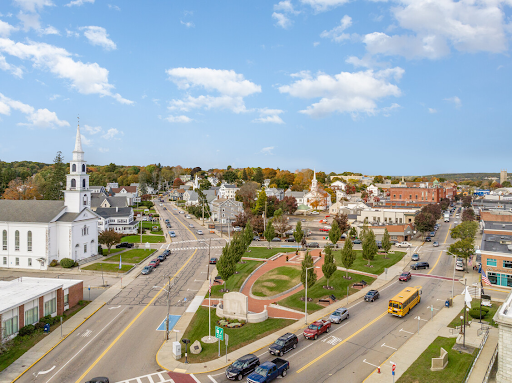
{"points": [[78, 141]]}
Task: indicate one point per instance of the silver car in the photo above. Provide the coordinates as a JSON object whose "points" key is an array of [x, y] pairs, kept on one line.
{"points": [[339, 315]]}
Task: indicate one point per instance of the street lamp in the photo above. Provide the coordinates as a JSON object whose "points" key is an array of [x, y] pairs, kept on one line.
{"points": [[168, 304], [186, 341], [454, 264], [306, 298]]}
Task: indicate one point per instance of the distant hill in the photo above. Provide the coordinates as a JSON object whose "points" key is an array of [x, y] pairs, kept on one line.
{"points": [[466, 176]]}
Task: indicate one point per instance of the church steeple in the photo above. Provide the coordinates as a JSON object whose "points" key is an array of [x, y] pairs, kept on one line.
{"points": [[314, 182]]}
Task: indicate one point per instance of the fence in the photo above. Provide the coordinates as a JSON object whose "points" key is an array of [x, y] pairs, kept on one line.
{"points": [[491, 365], [484, 329]]}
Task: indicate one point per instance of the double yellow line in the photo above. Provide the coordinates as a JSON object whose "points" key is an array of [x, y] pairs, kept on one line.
{"points": [[441, 252]]}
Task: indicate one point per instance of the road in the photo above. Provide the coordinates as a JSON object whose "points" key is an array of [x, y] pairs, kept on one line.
{"points": [[120, 341]]}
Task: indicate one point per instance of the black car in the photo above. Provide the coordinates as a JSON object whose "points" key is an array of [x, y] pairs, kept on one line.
{"points": [[276, 239], [213, 261], [242, 366], [314, 244], [420, 265], [371, 296], [379, 244], [100, 379], [167, 252], [161, 257], [428, 239], [357, 241], [290, 239], [284, 344], [124, 244]]}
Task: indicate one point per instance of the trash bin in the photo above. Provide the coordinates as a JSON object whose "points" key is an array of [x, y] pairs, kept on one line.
{"points": [[447, 303]]}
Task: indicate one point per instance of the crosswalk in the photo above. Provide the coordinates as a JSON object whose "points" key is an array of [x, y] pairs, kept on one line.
{"points": [[332, 340], [85, 334], [159, 377], [196, 248]]}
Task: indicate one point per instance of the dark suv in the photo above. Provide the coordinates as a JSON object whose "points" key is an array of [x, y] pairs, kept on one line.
{"points": [[313, 245], [420, 265], [242, 366], [371, 296], [284, 344], [124, 244]]}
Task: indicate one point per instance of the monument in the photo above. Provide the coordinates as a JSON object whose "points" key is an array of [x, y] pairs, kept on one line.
{"points": [[235, 305]]}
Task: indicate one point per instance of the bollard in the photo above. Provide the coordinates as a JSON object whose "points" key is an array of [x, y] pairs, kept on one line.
{"points": [[378, 370]]}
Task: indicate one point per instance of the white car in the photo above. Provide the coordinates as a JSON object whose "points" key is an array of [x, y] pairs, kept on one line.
{"points": [[191, 225], [403, 244], [237, 228], [315, 212], [200, 232], [187, 216], [459, 267]]}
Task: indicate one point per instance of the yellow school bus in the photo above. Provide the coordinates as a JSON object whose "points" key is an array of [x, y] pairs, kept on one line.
{"points": [[404, 301]]}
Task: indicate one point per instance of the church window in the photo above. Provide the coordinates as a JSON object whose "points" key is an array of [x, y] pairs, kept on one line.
{"points": [[85, 198], [17, 261], [73, 183], [17, 240], [4, 240], [29, 241], [83, 183], [30, 261], [83, 168], [73, 168], [85, 248]]}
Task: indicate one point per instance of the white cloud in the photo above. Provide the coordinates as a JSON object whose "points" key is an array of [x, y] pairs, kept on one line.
{"points": [[181, 118], [72, 33], [281, 20], [49, 30], [103, 150], [4, 65], [78, 2], [407, 46], [93, 129], [336, 34], [316, 43], [432, 110], [114, 7], [286, 7], [188, 24], [98, 36], [41, 118], [235, 104], [351, 92], [111, 133], [386, 111], [87, 78], [85, 140], [269, 115], [268, 150], [455, 100], [6, 29], [29, 21], [324, 5], [54, 97], [33, 5]]}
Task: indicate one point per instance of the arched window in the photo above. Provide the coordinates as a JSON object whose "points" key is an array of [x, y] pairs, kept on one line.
{"points": [[83, 168], [17, 240], [29, 241], [73, 183], [83, 183], [73, 168], [4, 240]]}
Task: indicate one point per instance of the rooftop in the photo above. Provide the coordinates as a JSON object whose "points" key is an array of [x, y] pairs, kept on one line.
{"points": [[497, 243], [29, 210]]}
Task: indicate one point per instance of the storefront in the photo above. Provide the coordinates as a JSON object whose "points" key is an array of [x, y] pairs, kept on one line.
{"points": [[500, 279]]}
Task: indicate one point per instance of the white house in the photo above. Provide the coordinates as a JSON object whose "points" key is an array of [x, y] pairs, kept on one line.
{"points": [[34, 232], [298, 195], [129, 192], [373, 190], [121, 219], [338, 185], [228, 191], [317, 198]]}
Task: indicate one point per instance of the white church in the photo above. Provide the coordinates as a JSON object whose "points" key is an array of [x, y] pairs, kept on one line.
{"points": [[35, 232]]}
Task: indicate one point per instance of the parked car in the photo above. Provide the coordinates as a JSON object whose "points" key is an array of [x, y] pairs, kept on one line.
{"points": [[357, 241], [403, 244], [315, 245], [161, 257], [379, 244], [459, 267], [100, 379], [433, 233], [405, 276], [237, 228], [339, 315], [256, 238], [167, 220], [315, 213], [283, 344], [317, 328], [213, 261], [268, 371], [199, 232], [393, 241], [420, 265], [167, 253], [435, 244], [324, 229], [276, 239], [124, 244], [371, 296], [415, 257], [154, 263], [428, 239], [146, 270], [188, 216], [290, 239], [191, 225], [242, 366]]}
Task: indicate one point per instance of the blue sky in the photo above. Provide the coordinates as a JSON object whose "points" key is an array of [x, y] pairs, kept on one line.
{"points": [[379, 87]]}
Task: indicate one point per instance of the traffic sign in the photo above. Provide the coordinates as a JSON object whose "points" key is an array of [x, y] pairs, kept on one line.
{"points": [[227, 338], [219, 333], [393, 368]]}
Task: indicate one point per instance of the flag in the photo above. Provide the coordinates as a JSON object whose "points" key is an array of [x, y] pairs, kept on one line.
{"points": [[470, 261], [467, 297], [120, 262], [485, 279]]}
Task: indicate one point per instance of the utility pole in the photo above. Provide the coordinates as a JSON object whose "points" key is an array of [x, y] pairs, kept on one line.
{"points": [[209, 246], [168, 302]]}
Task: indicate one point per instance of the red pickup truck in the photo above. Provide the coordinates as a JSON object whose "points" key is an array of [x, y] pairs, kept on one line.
{"points": [[317, 328]]}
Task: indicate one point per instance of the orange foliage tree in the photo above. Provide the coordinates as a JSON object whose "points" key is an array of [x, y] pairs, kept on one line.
{"points": [[17, 189]]}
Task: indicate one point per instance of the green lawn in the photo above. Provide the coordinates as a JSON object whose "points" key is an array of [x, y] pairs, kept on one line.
{"points": [[130, 256], [276, 281], [108, 267], [145, 238], [458, 363], [379, 263], [475, 304], [263, 252], [21, 344], [238, 337], [317, 291], [149, 225], [235, 282], [113, 250]]}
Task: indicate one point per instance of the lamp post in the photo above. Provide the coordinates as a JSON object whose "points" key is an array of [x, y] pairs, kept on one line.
{"points": [[306, 298], [186, 341], [168, 305]]}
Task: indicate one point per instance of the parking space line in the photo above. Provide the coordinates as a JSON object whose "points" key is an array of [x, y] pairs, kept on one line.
{"points": [[385, 345], [364, 361], [211, 378], [193, 377]]}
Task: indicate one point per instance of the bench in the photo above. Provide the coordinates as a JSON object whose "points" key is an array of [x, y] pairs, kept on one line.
{"points": [[360, 284], [325, 301]]}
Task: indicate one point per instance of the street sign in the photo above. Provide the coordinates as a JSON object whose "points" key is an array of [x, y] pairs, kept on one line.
{"points": [[219, 333], [227, 338], [393, 368]]}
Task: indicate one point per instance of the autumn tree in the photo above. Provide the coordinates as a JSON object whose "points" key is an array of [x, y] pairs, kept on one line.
{"points": [[177, 182], [241, 219], [260, 203], [19, 190], [288, 204], [281, 224], [369, 246], [424, 222], [342, 220], [311, 275], [257, 223], [468, 215], [109, 238], [466, 201], [348, 256], [258, 176], [247, 194], [328, 268]]}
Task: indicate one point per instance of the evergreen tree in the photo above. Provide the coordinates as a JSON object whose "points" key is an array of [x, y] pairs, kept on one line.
{"points": [[307, 263], [237, 247], [225, 265], [328, 268], [348, 255], [386, 243], [258, 176], [57, 179], [334, 233], [248, 235], [353, 232], [270, 232], [260, 203], [369, 246], [244, 175], [298, 234]]}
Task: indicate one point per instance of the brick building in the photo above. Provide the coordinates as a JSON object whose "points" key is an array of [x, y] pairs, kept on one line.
{"points": [[402, 195]]}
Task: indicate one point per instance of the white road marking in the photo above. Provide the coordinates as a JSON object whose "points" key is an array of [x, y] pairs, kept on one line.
{"points": [[113, 308], [74, 356], [332, 340], [86, 334], [364, 361], [421, 319], [43, 372], [149, 377], [211, 378], [408, 332], [193, 377], [385, 345]]}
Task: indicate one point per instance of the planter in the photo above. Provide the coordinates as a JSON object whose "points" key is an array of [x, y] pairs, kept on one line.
{"points": [[328, 287], [348, 278], [309, 299]]}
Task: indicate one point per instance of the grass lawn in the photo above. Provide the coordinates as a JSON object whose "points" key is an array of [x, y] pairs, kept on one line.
{"points": [[130, 256], [379, 263], [475, 304], [108, 267], [238, 337], [113, 250], [263, 252], [457, 366], [235, 282], [276, 281], [149, 225], [145, 238], [317, 291], [21, 344]]}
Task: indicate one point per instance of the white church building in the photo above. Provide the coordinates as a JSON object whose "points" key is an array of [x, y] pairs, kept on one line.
{"points": [[35, 232]]}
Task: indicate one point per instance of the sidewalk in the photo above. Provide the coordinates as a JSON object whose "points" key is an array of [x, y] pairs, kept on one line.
{"points": [[31, 357]]}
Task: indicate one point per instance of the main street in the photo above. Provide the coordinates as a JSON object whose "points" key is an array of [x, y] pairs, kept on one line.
{"points": [[121, 340]]}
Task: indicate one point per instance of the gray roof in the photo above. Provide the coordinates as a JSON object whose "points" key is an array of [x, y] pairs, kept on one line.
{"points": [[68, 217], [296, 194], [229, 186], [498, 225], [493, 242], [117, 201], [30, 210], [107, 212]]}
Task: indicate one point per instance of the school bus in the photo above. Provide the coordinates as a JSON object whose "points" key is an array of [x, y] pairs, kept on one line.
{"points": [[404, 301]]}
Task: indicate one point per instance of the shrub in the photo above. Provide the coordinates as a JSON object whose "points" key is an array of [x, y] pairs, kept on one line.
{"points": [[47, 319], [27, 330], [156, 215], [39, 325], [67, 263], [475, 313], [54, 263]]}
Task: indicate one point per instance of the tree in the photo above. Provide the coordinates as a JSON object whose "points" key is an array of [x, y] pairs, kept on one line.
{"points": [[386, 243], [248, 235], [468, 215], [177, 182], [424, 222], [281, 225], [288, 204], [143, 187], [364, 230], [241, 219], [258, 176], [229, 176], [334, 233], [348, 256], [17, 189], [352, 233], [269, 233], [298, 234], [109, 238], [204, 185], [257, 224], [225, 265], [247, 194], [57, 180], [260, 203], [463, 248], [506, 184], [342, 220], [369, 246], [237, 247], [464, 230], [434, 209], [244, 175], [466, 201], [306, 264], [328, 268]]}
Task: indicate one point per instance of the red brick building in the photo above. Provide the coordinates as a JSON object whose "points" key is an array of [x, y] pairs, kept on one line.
{"points": [[417, 195]]}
